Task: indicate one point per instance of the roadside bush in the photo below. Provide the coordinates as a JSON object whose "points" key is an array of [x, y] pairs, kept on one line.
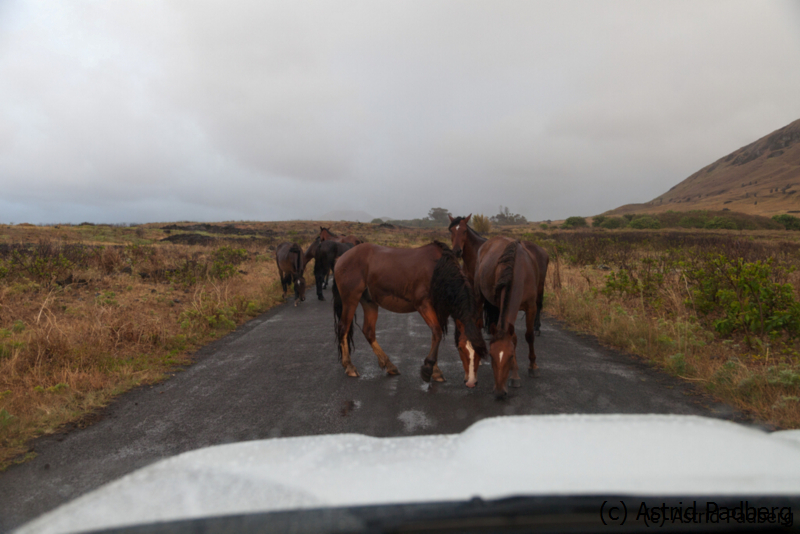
{"points": [[597, 221], [747, 297], [481, 223], [225, 261]]}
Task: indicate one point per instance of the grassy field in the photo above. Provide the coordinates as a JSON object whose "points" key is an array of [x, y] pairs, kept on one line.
{"points": [[88, 312]]}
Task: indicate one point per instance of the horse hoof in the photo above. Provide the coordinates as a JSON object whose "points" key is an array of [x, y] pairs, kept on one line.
{"points": [[439, 378], [351, 371], [501, 395], [532, 371], [515, 382], [392, 371], [320, 297], [425, 373], [537, 332]]}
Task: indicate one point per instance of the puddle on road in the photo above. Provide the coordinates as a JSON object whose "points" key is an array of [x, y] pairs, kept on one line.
{"points": [[414, 419]]}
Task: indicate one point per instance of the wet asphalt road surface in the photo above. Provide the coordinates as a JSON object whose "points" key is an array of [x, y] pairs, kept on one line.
{"points": [[278, 375]]}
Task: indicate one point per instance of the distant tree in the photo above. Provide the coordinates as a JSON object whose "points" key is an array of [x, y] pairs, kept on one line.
{"points": [[440, 215], [376, 220], [505, 217], [598, 220]]}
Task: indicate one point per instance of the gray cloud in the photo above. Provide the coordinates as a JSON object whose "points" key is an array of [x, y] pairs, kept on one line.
{"points": [[273, 110]]}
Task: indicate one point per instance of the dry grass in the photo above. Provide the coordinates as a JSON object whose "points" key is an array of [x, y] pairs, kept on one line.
{"points": [[67, 349], [763, 381]]}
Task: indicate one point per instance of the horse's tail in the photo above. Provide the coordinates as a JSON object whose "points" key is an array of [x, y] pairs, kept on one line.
{"points": [[298, 259], [491, 314], [502, 287], [451, 295], [338, 307]]}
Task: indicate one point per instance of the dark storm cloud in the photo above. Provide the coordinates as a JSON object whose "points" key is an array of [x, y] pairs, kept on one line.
{"points": [[273, 110]]}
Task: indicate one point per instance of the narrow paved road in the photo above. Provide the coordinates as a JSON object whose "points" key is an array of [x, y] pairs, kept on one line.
{"points": [[279, 376]]}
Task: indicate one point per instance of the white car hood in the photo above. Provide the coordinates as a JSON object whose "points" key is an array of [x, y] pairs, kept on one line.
{"points": [[494, 458]]}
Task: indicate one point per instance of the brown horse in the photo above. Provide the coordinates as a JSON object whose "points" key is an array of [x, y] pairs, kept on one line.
{"points": [[427, 280], [326, 235], [325, 260], [291, 265], [466, 243], [506, 281]]}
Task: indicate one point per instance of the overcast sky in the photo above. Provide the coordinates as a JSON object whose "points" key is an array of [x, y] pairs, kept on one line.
{"points": [[142, 111]]}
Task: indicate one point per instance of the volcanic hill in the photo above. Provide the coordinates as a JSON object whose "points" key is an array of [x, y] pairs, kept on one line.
{"points": [[762, 178]]}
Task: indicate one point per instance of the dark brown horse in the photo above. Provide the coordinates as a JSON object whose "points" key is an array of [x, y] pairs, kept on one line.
{"points": [[291, 265], [427, 280], [326, 235], [325, 260], [466, 243], [506, 281]]}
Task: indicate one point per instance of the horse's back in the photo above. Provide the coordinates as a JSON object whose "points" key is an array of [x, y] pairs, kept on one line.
{"points": [[286, 254], [526, 267], [389, 272]]}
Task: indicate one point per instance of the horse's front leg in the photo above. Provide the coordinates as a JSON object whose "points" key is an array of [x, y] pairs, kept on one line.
{"points": [[430, 368]]}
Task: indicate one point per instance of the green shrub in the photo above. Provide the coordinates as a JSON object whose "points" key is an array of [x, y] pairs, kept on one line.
{"points": [[721, 223], [789, 222], [597, 221], [614, 222], [746, 295], [693, 221], [645, 222], [225, 260], [574, 222]]}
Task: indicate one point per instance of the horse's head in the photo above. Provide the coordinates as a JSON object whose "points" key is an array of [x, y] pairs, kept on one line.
{"points": [[324, 233], [458, 233], [469, 357], [503, 352]]}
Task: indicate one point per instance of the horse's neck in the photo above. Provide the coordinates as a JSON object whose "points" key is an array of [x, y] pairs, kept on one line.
{"points": [[473, 243]]}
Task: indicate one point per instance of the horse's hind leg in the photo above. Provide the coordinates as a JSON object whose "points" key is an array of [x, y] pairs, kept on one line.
{"points": [[430, 367], [530, 321], [345, 322], [514, 380], [370, 318], [284, 283]]}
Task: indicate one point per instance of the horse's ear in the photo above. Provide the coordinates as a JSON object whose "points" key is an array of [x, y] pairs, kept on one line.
{"points": [[321, 228], [466, 219], [450, 217]]}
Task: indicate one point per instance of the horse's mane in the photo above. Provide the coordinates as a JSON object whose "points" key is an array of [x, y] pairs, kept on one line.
{"points": [[451, 295], [502, 286]]}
